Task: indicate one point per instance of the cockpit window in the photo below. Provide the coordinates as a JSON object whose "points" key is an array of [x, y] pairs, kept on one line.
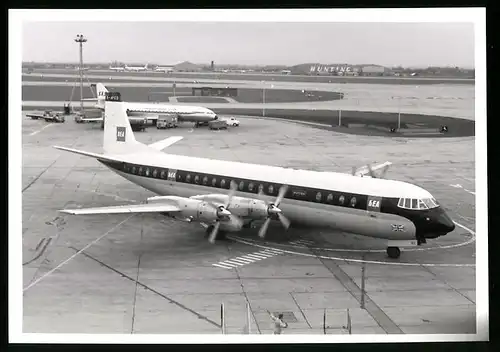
{"points": [[414, 204], [426, 203]]}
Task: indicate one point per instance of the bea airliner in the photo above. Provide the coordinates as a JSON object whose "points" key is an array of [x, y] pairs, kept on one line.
{"points": [[226, 196], [148, 111]]}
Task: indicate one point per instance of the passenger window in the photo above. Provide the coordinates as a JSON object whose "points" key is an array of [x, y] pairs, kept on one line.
{"points": [[261, 188], [341, 200], [241, 186], [197, 179], [188, 178], [251, 186], [147, 171], [155, 173], [162, 174], [223, 183], [140, 171], [414, 204], [353, 201], [329, 199], [318, 197], [407, 203], [214, 182], [133, 169], [271, 189], [205, 180]]}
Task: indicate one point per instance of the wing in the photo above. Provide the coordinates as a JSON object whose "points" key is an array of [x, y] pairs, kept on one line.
{"points": [[125, 209]]}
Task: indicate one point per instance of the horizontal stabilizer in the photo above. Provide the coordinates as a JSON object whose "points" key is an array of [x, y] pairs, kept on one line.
{"points": [[124, 209], [167, 142], [91, 119], [81, 152], [365, 170]]}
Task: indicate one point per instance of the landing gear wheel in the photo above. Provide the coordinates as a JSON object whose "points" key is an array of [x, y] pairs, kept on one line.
{"points": [[393, 252]]}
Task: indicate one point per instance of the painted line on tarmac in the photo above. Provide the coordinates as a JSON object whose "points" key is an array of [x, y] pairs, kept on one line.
{"points": [[243, 241], [40, 130]]}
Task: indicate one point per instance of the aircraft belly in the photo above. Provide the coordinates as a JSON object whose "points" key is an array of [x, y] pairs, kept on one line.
{"points": [[357, 221]]}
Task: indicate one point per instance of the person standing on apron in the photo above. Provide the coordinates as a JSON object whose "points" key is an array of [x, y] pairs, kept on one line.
{"points": [[278, 323]]}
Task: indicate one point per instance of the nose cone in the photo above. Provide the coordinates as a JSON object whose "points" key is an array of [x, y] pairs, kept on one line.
{"points": [[445, 223]]}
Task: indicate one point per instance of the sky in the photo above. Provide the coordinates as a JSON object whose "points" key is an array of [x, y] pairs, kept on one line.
{"points": [[253, 43]]}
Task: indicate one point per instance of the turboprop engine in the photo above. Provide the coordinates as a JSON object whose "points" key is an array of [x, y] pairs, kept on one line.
{"points": [[193, 209]]}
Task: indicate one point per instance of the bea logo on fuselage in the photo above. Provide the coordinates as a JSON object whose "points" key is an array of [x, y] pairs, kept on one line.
{"points": [[374, 203]]}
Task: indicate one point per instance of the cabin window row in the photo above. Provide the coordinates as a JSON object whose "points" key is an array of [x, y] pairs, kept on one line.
{"points": [[221, 182]]}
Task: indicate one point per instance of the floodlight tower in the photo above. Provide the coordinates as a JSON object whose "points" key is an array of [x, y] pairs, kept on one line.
{"points": [[80, 39]]}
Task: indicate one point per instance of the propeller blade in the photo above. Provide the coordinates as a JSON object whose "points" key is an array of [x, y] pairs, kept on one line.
{"points": [[281, 194], [236, 219], [284, 221], [263, 229], [213, 234], [233, 187]]}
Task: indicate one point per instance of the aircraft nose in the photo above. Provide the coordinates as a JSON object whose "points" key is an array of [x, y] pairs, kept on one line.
{"points": [[445, 223]]}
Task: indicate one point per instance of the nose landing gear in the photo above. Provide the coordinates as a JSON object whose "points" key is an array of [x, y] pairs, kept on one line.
{"points": [[393, 252]]}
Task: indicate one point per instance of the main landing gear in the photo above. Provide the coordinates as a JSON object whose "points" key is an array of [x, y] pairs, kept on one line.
{"points": [[393, 252], [221, 235]]}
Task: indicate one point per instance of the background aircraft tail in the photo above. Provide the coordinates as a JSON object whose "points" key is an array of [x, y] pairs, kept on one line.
{"points": [[101, 95]]}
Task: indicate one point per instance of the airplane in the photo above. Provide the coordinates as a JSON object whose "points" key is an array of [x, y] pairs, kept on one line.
{"points": [[136, 68], [151, 111], [117, 69], [225, 196], [164, 69]]}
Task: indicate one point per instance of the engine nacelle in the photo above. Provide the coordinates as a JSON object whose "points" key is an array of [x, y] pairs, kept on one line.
{"points": [[239, 206], [197, 210]]}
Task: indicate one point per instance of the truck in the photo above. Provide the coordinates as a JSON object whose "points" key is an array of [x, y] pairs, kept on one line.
{"points": [[217, 125], [48, 115], [166, 121]]}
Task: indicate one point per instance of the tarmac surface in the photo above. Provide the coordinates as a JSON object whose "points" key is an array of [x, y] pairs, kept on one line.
{"points": [[151, 274]]}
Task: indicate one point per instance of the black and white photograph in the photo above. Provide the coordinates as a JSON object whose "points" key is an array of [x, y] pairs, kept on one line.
{"points": [[236, 174]]}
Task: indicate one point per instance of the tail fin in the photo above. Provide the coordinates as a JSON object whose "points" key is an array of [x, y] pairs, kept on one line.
{"points": [[101, 95], [118, 135]]}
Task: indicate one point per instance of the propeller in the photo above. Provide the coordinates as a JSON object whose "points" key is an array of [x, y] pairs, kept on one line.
{"points": [[222, 212], [273, 210]]}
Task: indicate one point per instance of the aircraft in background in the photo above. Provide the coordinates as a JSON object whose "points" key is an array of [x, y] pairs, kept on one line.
{"points": [[226, 196], [140, 111], [117, 69], [164, 69], [136, 68]]}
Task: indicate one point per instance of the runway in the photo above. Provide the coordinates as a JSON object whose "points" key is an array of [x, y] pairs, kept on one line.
{"points": [[151, 274]]}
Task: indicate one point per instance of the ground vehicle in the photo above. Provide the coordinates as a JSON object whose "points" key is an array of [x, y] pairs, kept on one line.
{"points": [[166, 121], [48, 115], [92, 114], [232, 122], [217, 125]]}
